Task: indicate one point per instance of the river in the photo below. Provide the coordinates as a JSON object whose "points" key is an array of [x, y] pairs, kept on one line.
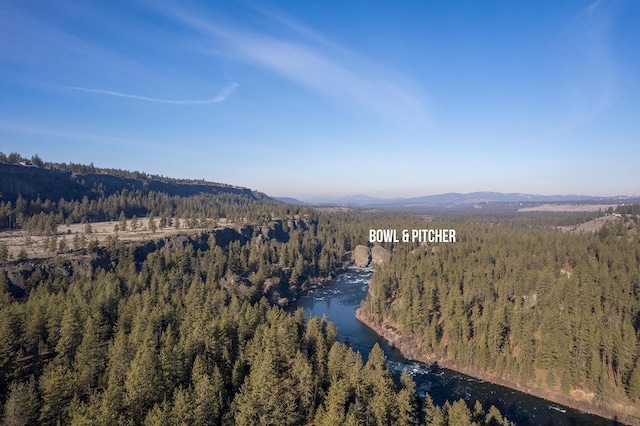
{"points": [[338, 300]]}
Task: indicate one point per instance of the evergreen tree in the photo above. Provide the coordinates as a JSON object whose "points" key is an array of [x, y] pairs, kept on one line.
{"points": [[122, 222], [89, 359], [142, 384], [22, 406], [70, 335], [407, 402], [152, 224], [56, 388], [634, 382]]}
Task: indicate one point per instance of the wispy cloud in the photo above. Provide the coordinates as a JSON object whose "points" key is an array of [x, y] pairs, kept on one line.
{"points": [[313, 61], [295, 26], [593, 6], [220, 97]]}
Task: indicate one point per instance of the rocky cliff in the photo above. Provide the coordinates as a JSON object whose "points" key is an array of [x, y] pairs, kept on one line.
{"points": [[364, 257]]}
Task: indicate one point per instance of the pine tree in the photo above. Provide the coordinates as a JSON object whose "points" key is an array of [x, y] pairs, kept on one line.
{"points": [[142, 384], [89, 359], [56, 388], [182, 412], [170, 362], [432, 414], [208, 395], [22, 406], [70, 334], [459, 414], [335, 405], [152, 224], [123, 222], [407, 403], [159, 415], [634, 382], [494, 417], [62, 246]]}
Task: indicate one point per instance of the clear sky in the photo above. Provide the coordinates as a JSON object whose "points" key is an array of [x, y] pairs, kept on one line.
{"points": [[304, 99]]}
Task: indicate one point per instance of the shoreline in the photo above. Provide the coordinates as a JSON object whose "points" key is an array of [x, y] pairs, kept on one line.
{"points": [[409, 347]]}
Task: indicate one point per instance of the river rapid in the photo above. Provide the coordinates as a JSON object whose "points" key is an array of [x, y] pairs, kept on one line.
{"points": [[338, 300]]}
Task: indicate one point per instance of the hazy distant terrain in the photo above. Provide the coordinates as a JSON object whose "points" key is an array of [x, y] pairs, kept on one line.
{"points": [[484, 200], [568, 208]]}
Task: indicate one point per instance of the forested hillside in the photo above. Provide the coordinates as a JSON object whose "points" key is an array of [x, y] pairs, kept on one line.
{"points": [[37, 195], [169, 341], [186, 328], [182, 335], [521, 301]]}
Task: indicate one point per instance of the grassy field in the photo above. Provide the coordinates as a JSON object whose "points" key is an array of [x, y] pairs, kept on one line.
{"points": [[76, 235]]}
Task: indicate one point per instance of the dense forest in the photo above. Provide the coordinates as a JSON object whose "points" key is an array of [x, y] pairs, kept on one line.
{"points": [[186, 329], [179, 337], [521, 300]]}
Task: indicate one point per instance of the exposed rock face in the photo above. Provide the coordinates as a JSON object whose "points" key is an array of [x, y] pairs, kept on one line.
{"points": [[30, 181], [409, 346], [364, 257], [412, 348], [23, 276], [379, 255], [361, 256]]}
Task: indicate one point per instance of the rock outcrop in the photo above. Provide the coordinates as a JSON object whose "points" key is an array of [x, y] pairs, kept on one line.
{"points": [[365, 257], [379, 255], [361, 256]]}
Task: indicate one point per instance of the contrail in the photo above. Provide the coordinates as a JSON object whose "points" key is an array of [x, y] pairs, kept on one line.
{"points": [[220, 97]]}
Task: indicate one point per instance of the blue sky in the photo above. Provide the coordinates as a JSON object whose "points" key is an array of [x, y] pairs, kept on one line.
{"points": [[310, 99]]}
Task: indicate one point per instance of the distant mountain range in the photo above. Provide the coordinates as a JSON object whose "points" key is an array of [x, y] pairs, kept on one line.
{"points": [[454, 199], [289, 200], [32, 181]]}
